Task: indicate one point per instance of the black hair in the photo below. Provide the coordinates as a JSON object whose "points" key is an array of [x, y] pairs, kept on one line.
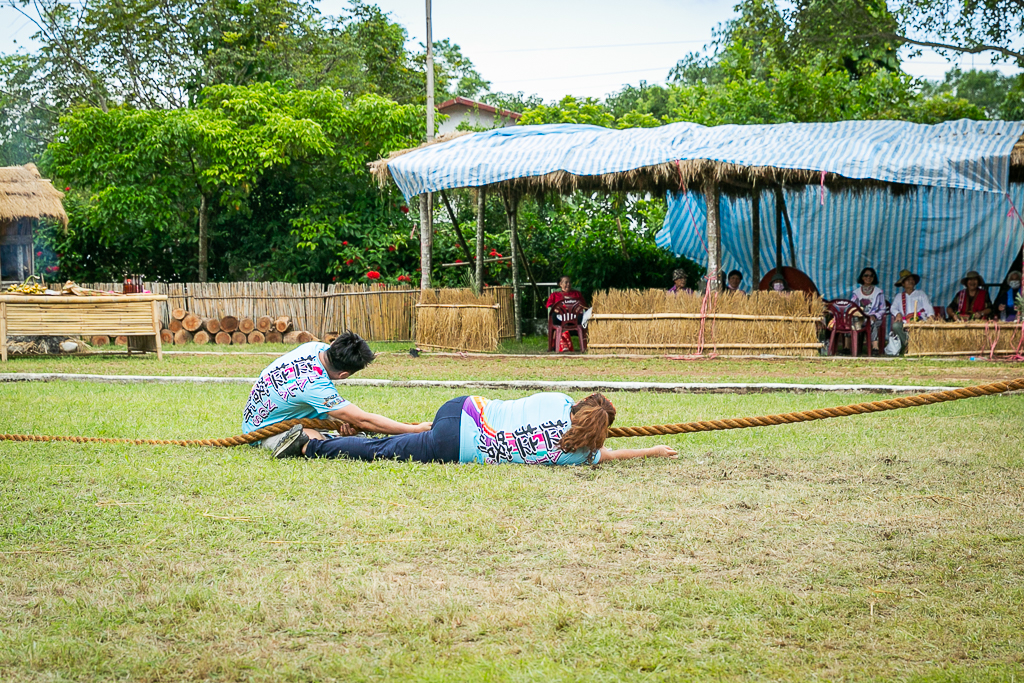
{"points": [[349, 353], [735, 272], [869, 269]]}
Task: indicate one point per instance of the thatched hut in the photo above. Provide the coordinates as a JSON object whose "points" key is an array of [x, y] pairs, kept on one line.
{"points": [[25, 197], [738, 161]]}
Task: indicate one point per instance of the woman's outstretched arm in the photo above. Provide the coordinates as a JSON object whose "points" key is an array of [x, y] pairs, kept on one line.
{"points": [[630, 453]]}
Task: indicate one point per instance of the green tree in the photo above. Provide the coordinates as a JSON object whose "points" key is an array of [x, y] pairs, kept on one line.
{"points": [[160, 175], [570, 110]]}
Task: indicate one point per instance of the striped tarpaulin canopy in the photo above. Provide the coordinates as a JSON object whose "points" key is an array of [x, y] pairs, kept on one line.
{"points": [[936, 233], [969, 155]]}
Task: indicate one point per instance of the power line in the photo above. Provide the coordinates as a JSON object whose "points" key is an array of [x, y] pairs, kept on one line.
{"points": [[595, 47]]}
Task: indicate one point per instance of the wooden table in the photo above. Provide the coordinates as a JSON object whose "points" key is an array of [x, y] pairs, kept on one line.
{"points": [[135, 315]]}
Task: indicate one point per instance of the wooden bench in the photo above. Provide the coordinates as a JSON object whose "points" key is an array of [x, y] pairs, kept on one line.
{"points": [[133, 315]]}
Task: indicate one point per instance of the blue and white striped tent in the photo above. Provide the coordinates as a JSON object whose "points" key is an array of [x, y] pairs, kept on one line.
{"points": [[967, 155], [936, 233], [959, 222]]}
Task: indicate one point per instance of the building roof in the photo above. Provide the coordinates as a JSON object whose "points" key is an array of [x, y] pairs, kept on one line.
{"points": [[26, 194], [473, 104]]}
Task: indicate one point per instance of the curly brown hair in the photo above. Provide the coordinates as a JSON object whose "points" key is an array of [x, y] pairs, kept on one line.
{"points": [[591, 418]]}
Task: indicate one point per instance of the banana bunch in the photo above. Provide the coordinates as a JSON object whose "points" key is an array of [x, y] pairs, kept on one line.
{"points": [[27, 288]]}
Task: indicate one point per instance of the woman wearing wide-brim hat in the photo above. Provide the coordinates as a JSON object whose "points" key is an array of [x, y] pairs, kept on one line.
{"points": [[909, 305], [971, 302]]}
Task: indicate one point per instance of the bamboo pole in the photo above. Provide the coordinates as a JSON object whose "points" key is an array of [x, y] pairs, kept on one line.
{"points": [[712, 192], [481, 206], [755, 276], [699, 316], [495, 306], [983, 352], [707, 345]]}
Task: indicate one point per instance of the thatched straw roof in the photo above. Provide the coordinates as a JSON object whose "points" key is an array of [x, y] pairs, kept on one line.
{"points": [[734, 179], [26, 194]]}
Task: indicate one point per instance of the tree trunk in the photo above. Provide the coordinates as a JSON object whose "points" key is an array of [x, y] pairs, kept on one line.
{"points": [[222, 338], [229, 323], [246, 325], [182, 337], [256, 337], [178, 313], [238, 337], [263, 323], [283, 324], [273, 337], [174, 325], [204, 238], [212, 325], [292, 338], [201, 337], [166, 336]]}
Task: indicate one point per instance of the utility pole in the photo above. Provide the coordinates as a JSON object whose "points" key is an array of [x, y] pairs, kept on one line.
{"points": [[426, 200]]}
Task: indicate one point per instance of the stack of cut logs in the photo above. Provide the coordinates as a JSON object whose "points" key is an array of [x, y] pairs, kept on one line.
{"points": [[187, 327]]}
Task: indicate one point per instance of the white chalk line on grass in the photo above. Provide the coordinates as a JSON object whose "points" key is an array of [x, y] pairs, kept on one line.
{"points": [[525, 385]]}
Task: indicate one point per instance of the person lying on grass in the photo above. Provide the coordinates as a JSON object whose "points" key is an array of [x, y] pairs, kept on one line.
{"points": [[300, 384], [542, 429]]}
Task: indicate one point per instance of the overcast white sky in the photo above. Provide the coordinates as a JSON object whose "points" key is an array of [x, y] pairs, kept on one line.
{"points": [[559, 47]]}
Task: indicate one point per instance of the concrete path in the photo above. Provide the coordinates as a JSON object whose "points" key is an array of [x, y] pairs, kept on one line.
{"points": [[525, 385]]}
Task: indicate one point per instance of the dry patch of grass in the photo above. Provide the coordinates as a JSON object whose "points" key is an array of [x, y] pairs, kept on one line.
{"points": [[884, 547]]}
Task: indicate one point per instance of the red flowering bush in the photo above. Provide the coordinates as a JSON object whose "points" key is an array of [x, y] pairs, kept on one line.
{"points": [[38, 254], [404, 278], [349, 262], [344, 244], [405, 209], [373, 275], [391, 247]]}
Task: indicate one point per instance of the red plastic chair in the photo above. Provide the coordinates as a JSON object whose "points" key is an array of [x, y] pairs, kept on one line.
{"points": [[571, 315], [843, 311]]}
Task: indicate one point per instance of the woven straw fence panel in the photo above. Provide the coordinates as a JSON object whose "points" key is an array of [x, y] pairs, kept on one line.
{"points": [[964, 339], [764, 322]]}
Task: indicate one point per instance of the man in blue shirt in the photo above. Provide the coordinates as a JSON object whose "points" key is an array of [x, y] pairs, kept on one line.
{"points": [[300, 384]]}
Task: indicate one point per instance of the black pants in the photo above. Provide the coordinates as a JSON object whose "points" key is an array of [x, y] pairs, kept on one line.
{"points": [[440, 444]]}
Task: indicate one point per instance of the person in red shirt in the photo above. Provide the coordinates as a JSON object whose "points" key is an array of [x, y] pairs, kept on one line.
{"points": [[971, 302], [567, 296]]}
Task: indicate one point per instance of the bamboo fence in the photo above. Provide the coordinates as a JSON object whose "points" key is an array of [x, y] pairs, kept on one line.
{"points": [[655, 321], [458, 320], [506, 311], [376, 313], [979, 338]]}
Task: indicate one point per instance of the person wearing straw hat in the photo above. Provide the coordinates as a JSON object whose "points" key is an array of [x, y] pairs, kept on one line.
{"points": [[1006, 300], [679, 282], [971, 302], [540, 429], [300, 384], [909, 306]]}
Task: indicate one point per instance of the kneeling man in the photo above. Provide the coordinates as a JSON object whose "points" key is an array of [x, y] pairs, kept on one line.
{"points": [[299, 385]]}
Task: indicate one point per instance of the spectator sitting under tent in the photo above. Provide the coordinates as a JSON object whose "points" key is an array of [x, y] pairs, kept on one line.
{"points": [[1006, 300], [679, 282], [870, 298], [971, 302], [734, 281], [568, 297], [910, 305], [778, 284]]}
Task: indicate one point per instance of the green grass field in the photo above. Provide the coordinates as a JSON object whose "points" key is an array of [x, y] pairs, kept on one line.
{"points": [[881, 547]]}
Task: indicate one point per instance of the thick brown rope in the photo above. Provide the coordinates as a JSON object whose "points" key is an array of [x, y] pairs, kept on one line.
{"points": [[614, 432], [239, 440], [821, 413]]}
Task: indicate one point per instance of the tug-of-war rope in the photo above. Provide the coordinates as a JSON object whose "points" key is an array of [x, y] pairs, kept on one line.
{"points": [[614, 432]]}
